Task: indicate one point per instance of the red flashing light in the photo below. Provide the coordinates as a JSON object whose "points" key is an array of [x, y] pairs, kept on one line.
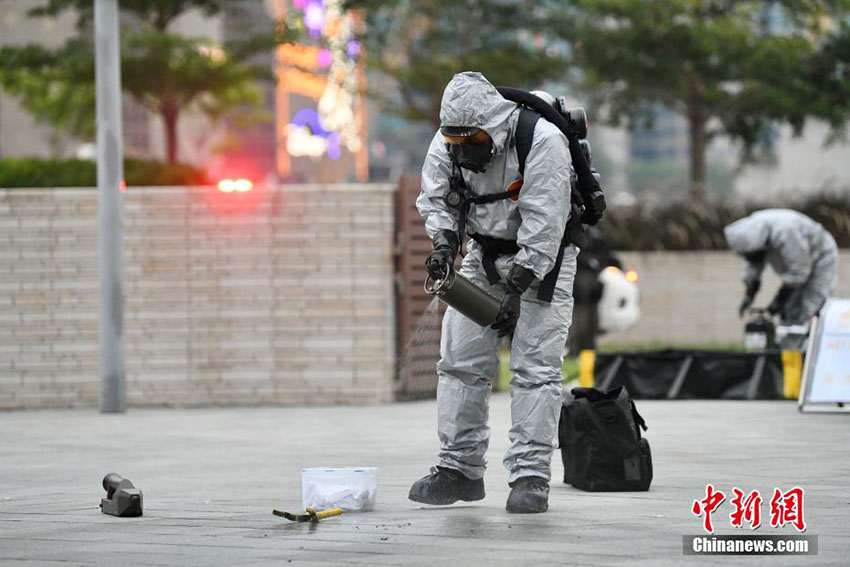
{"points": [[243, 185], [238, 185]]}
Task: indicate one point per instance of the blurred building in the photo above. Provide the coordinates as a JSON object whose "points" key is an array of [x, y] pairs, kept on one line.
{"points": [[794, 166], [799, 166], [666, 137]]}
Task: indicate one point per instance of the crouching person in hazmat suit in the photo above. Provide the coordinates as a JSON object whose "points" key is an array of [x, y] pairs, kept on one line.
{"points": [[514, 244], [800, 251]]}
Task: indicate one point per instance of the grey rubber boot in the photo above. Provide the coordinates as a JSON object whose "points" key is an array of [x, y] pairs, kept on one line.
{"points": [[529, 495], [446, 486]]}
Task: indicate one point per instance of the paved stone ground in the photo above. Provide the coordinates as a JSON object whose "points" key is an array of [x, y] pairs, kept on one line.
{"points": [[211, 478]]}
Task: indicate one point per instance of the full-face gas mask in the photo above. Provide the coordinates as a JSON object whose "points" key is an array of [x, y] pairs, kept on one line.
{"points": [[470, 148]]}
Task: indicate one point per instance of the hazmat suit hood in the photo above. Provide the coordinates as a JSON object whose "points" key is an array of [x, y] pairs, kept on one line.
{"points": [[471, 100], [747, 235]]}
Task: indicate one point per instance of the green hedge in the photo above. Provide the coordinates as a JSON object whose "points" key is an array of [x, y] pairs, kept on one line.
{"points": [[36, 172], [680, 226]]}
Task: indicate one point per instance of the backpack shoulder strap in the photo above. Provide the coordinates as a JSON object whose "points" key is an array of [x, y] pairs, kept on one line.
{"points": [[524, 135]]}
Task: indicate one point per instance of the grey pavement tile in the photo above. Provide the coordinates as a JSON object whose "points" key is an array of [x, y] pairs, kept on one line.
{"points": [[211, 477]]}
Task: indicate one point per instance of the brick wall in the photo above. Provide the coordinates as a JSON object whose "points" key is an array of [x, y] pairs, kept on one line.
{"points": [[282, 296], [692, 298], [286, 298]]}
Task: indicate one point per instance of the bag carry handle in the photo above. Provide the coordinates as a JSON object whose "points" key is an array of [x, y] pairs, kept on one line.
{"points": [[595, 395], [639, 421]]}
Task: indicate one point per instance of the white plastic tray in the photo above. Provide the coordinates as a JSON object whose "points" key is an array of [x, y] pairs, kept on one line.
{"points": [[354, 489]]}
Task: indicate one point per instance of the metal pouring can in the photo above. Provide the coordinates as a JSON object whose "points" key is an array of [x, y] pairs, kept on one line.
{"points": [[469, 299]]}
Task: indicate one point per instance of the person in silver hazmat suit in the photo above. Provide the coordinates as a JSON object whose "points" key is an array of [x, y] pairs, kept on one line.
{"points": [[802, 253], [514, 243]]}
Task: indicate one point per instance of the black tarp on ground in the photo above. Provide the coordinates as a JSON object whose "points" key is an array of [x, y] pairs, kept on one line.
{"points": [[693, 374]]}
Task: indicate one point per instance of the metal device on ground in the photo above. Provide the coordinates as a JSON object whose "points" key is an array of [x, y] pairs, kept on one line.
{"points": [[793, 336], [458, 291], [310, 515], [123, 499], [761, 332]]}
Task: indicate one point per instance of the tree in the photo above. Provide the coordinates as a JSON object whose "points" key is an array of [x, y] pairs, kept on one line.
{"points": [[188, 73], [419, 45], [55, 86], [166, 73], [713, 61]]}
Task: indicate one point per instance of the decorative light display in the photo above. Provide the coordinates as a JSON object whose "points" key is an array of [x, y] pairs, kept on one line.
{"points": [[353, 48], [324, 58], [314, 18], [306, 136], [334, 126]]}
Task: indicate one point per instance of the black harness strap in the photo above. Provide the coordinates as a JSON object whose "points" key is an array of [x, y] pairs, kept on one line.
{"points": [[491, 249], [547, 288], [524, 135], [493, 197], [456, 182]]}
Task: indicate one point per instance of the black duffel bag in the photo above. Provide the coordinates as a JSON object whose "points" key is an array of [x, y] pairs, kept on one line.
{"points": [[601, 443]]}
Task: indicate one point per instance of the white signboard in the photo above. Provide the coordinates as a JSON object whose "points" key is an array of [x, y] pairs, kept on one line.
{"points": [[826, 376]]}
